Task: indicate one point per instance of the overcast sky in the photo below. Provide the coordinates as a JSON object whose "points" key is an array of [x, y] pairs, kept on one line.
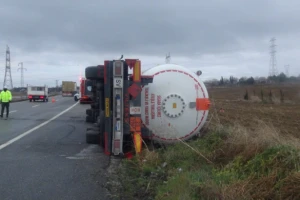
{"points": [[57, 39]]}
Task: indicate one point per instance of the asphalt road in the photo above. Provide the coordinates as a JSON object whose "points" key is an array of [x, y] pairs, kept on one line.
{"points": [[42, 159]]}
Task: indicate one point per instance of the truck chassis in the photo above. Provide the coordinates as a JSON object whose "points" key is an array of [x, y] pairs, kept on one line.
{"points": [[115, 92]]}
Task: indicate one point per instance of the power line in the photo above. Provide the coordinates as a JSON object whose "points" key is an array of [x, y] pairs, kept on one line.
{"points": [[273, 68], [22, 73], [7, 77]]}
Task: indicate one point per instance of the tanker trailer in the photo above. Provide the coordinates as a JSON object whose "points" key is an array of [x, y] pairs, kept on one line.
{"points": [[169, 100], [175, 105]]}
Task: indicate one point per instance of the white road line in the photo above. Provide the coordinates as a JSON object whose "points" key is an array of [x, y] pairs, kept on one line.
{"points": [[35, 106], [13, 111], [2, 146]]}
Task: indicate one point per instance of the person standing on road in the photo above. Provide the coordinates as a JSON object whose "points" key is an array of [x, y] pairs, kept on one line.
{"points": [[5, 99]]}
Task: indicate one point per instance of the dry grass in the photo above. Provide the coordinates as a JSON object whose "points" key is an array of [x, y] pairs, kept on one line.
{"points": [[291, 186], [255, 99], [251, 188], [244, 142]]}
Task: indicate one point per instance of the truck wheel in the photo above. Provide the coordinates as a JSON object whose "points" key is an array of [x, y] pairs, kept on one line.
{"points": [[93, 129], [30, 100], [92, 137], [95, 105], [94, 72], [89, 112], [89, 119]]}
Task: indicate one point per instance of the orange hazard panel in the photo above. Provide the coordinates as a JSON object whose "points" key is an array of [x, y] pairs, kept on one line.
{"points": [[135, 124], [202, 104]]}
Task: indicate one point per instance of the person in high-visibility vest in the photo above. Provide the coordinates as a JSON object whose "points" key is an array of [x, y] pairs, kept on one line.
{"points": [[5, 99]]}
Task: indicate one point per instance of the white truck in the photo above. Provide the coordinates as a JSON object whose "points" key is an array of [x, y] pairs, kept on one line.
{"points": [[35, 93]]}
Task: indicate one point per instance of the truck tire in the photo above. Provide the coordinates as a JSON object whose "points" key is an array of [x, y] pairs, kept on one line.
{"points": [[94, 72], [89, 112], [92, 137], [89, 119], [95, 105], [95, 128]]}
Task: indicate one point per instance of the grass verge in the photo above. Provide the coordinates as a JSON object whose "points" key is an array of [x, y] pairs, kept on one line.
{"points": [[225, 163]]}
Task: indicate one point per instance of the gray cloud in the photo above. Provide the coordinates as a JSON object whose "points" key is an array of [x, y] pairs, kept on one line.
{"points": [[230, 35]]}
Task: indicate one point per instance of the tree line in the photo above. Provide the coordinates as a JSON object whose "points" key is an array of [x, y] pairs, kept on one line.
{"points": [[280, 78], [50, 89]]}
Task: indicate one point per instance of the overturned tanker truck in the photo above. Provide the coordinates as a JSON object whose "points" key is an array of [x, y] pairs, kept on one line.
{"points": [[166, 103]]}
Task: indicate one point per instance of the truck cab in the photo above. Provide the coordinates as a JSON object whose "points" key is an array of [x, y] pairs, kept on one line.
{"points": [[37, 93], [85, 92]]}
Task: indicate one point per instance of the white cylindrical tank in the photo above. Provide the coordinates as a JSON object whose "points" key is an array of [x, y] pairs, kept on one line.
{"points": [[175, 105]]}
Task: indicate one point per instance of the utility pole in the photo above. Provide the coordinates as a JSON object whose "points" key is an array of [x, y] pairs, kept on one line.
{"points": [[7, 76], [168, 58], [56, 85], [22, 73], [273, 68], [287, 68]]}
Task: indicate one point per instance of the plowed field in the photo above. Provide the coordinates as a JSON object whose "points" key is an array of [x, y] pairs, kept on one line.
{"points": [[282, 110]]}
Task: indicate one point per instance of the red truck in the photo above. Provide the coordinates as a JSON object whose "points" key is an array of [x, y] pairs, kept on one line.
{"points": [[85, 92]]}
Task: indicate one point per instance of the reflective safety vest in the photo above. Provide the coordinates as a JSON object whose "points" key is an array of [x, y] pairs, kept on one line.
{"points": [[5, 96]]}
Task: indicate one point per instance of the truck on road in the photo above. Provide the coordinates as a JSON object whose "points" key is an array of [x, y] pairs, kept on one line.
{"points": [[69, 88], [37, 93]]}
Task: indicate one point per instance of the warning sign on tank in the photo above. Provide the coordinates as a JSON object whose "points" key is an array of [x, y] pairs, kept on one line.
{"points": [[152, 106], [158, 108], [146, 106]]}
